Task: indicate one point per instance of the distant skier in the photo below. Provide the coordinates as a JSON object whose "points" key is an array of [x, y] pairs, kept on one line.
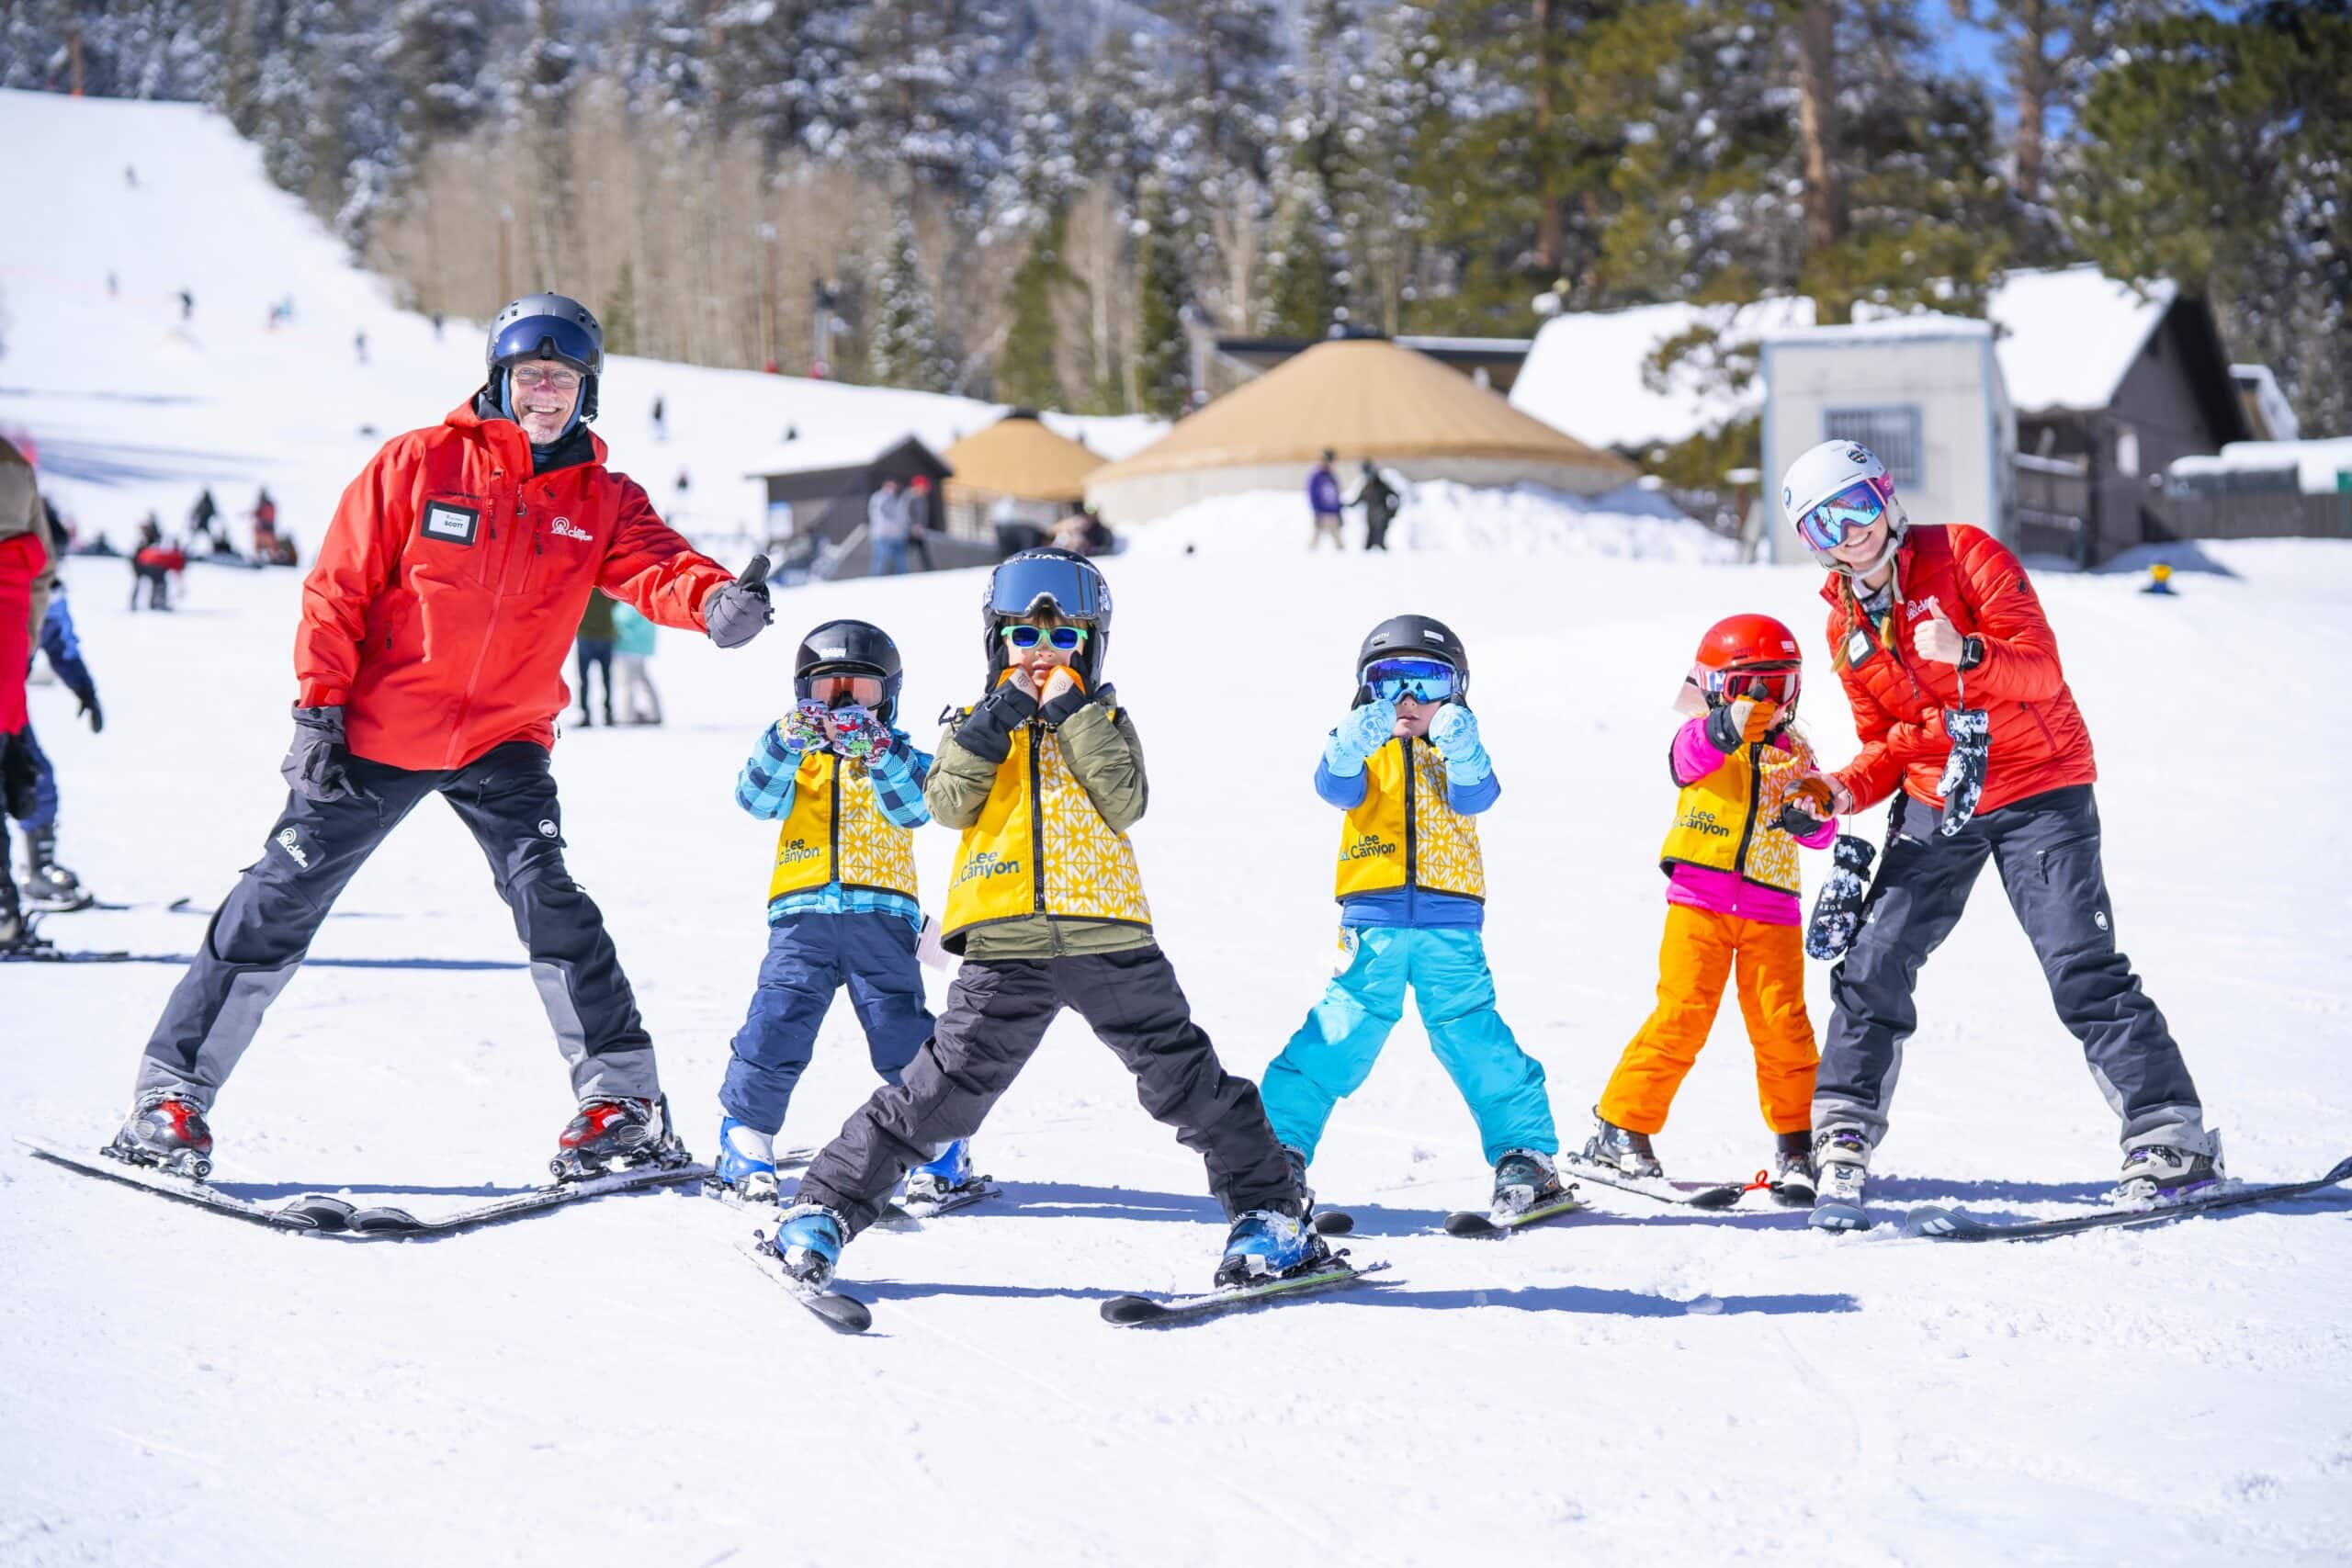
{"points": [[1323, 500], [188, 305], [661, 422], [1916, 614], [1378, 499], [152, 563], [201, 516], [845, 783], [484, 533], [1412, 889], [359, 345], [1043, 776]]}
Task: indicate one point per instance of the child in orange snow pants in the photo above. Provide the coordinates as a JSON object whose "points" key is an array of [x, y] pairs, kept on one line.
{"points": [[1749, 797]]}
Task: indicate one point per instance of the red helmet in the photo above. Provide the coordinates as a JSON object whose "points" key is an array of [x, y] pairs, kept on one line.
{"points": [[1749, 656]]}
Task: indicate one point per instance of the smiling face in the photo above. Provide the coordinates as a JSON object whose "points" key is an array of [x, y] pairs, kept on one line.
{"points": [[543, 392], [1863, 546]]}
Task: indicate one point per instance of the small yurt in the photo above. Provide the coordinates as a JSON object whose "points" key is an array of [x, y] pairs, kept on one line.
{"points": [[1015, 470], [1357, 398]]}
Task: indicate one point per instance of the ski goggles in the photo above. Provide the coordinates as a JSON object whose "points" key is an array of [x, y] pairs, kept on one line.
{"points": [[1850, 510], [547, 337], [866, 691], [1072, 587], [1423, 679], [1777, 685], [1063, 639]]}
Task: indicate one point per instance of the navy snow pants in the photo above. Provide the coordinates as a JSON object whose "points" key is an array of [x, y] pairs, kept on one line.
{"points": [[809, 957], [263, 929], [2046, 847]]}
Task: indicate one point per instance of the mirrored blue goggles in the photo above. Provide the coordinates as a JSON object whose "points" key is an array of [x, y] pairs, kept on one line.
{"points": [[1850, 510], [1423, 679], [1067, 639], [547, 337]]}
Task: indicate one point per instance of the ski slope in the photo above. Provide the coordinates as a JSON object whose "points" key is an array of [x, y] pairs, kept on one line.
{"points": [[614, 1382]]}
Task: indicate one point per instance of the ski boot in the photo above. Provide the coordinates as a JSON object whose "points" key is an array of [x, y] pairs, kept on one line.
{"points": [[610, 1133], [1622, 1149], [1792, 1177], [746, 1166], [808, 1243], [166, 1130], [49, 887], [948, 1173], [1841, 1166], [2159, 1172], [1266, 1243], [1524, 1180]]}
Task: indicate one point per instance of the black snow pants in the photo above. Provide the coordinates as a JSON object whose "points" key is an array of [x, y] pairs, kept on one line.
{"points": [[996, 1014], [2047, 850], [264, 927]]}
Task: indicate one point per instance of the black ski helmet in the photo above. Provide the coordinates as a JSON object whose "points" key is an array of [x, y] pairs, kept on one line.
{"points": [[850, 647], [1062, 580], [1405, 636], [546, 326]]}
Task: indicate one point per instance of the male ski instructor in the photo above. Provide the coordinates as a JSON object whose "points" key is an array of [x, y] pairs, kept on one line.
{"points": [[1919, 617], [429, 661]]}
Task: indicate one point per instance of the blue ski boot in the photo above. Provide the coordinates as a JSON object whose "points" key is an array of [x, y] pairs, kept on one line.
{"points": [[808, 1243], [746, 1161], [1266, 1243], [953, 1169]]}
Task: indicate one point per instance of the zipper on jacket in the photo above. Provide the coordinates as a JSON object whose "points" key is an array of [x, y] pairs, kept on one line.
{"points": [[1755, 805], [2036, 712], [834, 824], [1036, 819], [1412, 841]]}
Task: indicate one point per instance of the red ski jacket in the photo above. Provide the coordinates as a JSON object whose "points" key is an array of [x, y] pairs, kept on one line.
{"points": [[22, 557], [2039, 742], [443, 602]]}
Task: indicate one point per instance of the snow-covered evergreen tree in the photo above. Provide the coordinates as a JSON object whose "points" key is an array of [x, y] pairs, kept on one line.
{"points": [[905, 346]]}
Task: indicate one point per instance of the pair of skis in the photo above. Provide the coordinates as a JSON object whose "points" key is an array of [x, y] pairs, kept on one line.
{"points": [[323, 1215]]}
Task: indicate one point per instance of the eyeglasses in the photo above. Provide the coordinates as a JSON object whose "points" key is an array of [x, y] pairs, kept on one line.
{"points": [[558, 378], [866, 691], [1064, 640], [1423, 679], [1777, 685], [1850, 510]]}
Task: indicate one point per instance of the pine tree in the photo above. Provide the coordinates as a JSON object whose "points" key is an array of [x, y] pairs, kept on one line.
{"points": [[906, 347], [1306, 283], [1028, 370]]}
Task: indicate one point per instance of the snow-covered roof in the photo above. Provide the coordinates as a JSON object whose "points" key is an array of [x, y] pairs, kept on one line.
{"points": [[2257, 382], [2068, 335], [1584, 375], [821, 454], [2316, 462], [1924, 326]]}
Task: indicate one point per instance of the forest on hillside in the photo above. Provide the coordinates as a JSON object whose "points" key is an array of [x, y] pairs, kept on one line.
{"points": [[1026, 199]]}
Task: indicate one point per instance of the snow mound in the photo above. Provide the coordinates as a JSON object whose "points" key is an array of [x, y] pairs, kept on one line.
{"points": [[1445, 516]]}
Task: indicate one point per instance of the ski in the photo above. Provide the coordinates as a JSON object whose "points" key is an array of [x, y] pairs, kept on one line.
{"points": [[40, 950], [1953, 1224], [1142, 1311], [1471, 1222], [319, 1214], [1691, 1194], [840, 1312]]}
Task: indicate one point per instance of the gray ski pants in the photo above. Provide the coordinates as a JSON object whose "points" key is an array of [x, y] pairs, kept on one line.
{"points": [[264, 927], [2047, 850], [996, 1014]]}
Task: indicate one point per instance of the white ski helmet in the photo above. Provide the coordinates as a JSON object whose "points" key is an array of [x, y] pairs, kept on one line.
{"points": [[1824, 473]]}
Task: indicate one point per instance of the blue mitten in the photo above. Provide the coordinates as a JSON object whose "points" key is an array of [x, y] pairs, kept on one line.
{"points": [[1455, 733], [1364, 730]]}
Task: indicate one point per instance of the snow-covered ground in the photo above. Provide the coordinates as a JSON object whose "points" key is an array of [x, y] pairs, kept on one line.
{"points": [[615, 1383]]}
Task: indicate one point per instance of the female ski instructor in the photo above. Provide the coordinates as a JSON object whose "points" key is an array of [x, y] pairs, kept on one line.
{"points": [[429, 661], [1917, 616]]}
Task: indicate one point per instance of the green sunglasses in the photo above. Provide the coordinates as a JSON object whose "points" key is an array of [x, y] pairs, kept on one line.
{"points": [[1067, 640]]}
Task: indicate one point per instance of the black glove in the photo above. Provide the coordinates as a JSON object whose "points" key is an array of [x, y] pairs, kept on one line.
{"points": [[987, 733], [90, 708], [736, 611], [1797, 822], [317, 766], [1837, 910]]}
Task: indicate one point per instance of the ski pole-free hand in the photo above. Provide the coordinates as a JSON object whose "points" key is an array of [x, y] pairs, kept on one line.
{"points": [[736, 611]]}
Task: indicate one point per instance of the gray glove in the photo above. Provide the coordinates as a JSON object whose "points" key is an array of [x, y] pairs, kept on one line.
{"points": [[317, 766], [736, 612]]}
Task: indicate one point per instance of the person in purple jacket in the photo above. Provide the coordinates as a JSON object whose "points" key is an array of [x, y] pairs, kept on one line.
{"points": [[1748, 802], [1323, 497]]}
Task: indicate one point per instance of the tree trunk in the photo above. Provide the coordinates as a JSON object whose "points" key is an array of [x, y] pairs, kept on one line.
{"points": [[2033, 88], [1547, 222], [1824, 197]]}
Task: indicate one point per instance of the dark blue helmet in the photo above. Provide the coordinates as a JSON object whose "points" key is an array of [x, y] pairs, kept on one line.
{"points": [[546, 326], [1062, 580]]}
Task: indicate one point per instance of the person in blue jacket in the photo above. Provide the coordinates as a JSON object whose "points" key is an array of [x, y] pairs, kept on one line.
{"points": [[1323, 499], [1408, 768]]}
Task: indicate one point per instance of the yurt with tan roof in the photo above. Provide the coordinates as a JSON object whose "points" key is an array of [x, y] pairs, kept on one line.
{"points": [[1357, 398], [1013, 478]]}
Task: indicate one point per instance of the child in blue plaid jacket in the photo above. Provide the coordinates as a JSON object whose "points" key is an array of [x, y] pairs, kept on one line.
{"points": [[845, 786]]}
